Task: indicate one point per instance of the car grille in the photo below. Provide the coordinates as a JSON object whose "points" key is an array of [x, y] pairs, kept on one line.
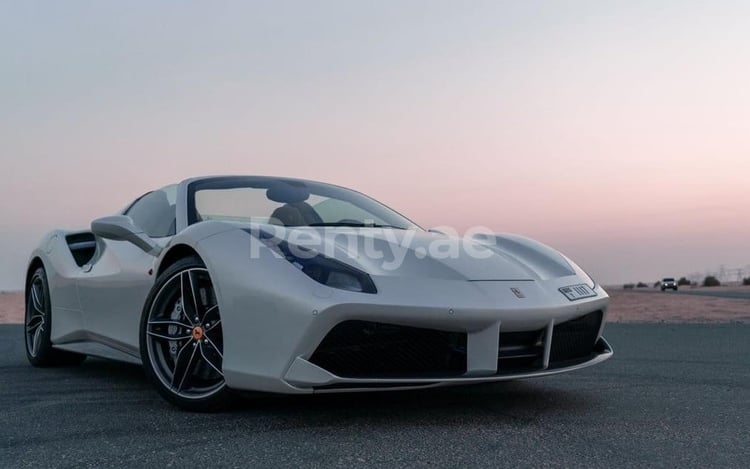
{"points": [[520, 351], [574, 339], [364, 349]]}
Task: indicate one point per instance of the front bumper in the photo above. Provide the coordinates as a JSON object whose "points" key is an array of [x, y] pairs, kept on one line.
{"points": [[274, 319], [279, 356], [603, 351], [380, 363]]}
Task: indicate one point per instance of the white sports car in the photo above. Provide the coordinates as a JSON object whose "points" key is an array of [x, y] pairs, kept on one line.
{"points": [[233, 283]]}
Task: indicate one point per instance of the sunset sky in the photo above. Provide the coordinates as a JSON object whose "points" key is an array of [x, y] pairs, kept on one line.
{"points": [[615, 131]]}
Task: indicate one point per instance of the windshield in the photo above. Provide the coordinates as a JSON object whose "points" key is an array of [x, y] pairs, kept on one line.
{"points": [[286, 202]]}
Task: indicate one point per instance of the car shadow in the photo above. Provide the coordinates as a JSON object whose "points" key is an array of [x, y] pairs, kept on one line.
{"points": [[514, 402]]}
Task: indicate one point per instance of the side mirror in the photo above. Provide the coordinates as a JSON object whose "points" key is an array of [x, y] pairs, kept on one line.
{"points": [[122, 228]]}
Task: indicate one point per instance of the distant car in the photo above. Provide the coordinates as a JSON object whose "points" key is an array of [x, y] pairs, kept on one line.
{"points": [[668, 283]]}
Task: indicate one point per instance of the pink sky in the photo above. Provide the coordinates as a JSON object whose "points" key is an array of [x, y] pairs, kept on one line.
{"points": [[617, 132]]}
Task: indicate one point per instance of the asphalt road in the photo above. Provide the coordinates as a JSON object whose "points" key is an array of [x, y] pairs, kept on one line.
{"points": [[744, 294], [673, 395], [737, 294]]}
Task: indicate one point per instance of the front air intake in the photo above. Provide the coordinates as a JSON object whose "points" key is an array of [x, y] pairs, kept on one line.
{"points": [[574, 340], [520, 352], [364, 349]]}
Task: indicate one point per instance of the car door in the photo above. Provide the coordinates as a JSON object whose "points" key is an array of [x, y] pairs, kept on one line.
{"points": [[114, 287]]}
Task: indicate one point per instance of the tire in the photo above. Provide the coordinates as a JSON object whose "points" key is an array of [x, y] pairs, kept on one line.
{"points": [[38, 326], [182, 342]]}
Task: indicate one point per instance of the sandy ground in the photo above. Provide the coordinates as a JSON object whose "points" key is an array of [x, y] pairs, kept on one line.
{"points": [[11, 307], [635, 306], [625, 306]]}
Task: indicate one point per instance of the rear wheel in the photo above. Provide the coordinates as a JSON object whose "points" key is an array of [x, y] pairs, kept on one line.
{"points": [[38, 326], [181, 338]]}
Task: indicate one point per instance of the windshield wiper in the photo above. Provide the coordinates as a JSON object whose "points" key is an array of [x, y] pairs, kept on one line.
{"points": [[356, 224]]}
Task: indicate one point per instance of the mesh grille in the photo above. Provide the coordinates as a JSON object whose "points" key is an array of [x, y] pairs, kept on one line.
{"points": [[363, 349], [575, 339]]}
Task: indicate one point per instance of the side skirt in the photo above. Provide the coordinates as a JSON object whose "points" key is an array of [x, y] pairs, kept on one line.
{"points": [[96, 349]]}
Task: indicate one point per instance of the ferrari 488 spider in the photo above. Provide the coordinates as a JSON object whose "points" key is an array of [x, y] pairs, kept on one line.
{"points": [[245, 283]]}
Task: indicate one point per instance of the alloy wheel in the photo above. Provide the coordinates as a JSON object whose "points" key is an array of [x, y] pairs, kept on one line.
{"points": [[36, 317], [184, 338]]}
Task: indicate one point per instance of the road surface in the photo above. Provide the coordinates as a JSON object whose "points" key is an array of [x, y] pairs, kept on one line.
{"points": [[673, 395]]}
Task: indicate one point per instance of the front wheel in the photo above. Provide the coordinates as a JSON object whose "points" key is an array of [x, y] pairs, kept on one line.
{"points": [[181, 339]]}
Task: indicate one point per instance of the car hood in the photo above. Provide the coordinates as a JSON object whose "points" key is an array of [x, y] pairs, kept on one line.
{"points": [[416, 253]]}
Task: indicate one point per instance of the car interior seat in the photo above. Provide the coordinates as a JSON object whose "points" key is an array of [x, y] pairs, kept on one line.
{"points": [[295, 211]]}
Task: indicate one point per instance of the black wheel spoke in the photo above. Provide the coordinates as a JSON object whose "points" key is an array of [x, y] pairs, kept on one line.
{"points": [[215, 336], [35, 316], [30, 329], [213, 347], [183, 365], [189, 301], [169, 322], [169, 330], [36, 298], [214, 325], [168, 337], [211, 356], [211, 315], [34, 322], [37, 339]]}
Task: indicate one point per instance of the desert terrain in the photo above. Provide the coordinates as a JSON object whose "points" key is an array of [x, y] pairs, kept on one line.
{"points": [[656, 307], [626, 306], [11, 307]]}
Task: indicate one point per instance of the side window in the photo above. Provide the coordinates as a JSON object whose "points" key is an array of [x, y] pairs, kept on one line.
{"points": [[155, 212]]}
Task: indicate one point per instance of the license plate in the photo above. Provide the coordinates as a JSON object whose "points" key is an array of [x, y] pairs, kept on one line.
{"points": [[577, 292]]}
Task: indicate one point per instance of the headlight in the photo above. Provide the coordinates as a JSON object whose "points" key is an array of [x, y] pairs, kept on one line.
{"points": [[334, 274], [322, 269]]}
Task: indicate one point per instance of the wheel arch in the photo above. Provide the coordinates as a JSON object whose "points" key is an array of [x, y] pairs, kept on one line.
{"points": [[35, 263], [174, 254]]}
